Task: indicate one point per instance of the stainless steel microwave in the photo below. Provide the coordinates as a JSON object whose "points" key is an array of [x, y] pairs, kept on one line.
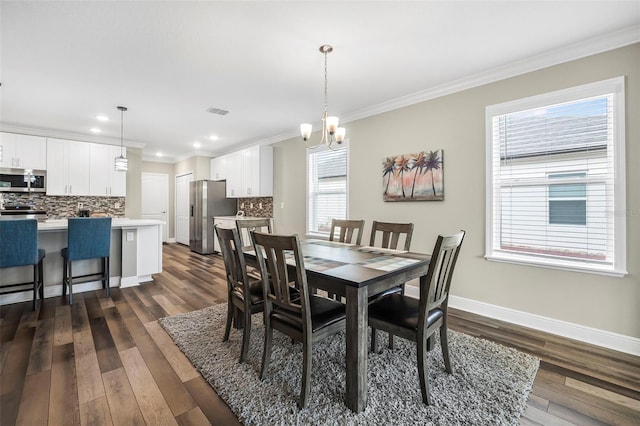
{"points": [[23, 180]]}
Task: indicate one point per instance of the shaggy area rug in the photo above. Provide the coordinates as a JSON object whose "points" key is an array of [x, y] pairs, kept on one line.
{"points": [[489, 385]]}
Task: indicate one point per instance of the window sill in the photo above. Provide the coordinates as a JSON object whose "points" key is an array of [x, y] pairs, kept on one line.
{"points": [[555, 264]]}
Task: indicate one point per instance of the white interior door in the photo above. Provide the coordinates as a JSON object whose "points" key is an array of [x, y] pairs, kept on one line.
{"points": [[182, 208], [155, 199]]}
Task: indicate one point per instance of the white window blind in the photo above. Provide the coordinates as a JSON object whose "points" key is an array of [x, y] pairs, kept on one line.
{"points": [[555, 182], [326, 188]]}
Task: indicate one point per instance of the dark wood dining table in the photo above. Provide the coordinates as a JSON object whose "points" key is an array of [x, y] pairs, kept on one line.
{"points": [[357, 272]]}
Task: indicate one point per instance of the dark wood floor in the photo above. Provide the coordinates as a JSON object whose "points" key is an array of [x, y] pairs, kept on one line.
{"points": [[107, 361]]}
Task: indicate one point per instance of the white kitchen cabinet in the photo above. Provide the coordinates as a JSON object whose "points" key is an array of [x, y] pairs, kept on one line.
{"points": [[104, 180], [23, 151], [234, 174], [250, 173], [219, 168], [68, 167]]}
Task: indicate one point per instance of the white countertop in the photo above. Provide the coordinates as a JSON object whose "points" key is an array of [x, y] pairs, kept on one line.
{"points": [[116, 222]]}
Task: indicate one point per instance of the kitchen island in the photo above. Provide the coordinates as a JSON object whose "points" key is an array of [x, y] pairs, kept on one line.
{"points": [[136, 254]]}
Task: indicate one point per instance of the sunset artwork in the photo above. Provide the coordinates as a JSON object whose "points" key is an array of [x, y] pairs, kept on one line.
{"points": [[413, 177]]}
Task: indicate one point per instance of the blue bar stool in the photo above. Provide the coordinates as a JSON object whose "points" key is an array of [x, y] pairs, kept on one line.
{"points": [[19, 247], [88, 238]]}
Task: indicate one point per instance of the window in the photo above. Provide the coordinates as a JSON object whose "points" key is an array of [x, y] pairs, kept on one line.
{"points": [[568, 201], [555, 179], [326, 188]]}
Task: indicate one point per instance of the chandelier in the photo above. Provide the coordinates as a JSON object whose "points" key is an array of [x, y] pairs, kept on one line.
{"points": [[330, 131], [121, 164]]}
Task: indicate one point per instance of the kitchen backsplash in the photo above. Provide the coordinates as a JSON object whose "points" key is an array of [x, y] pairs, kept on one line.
{"points": [[257, 207], [63, 207]]}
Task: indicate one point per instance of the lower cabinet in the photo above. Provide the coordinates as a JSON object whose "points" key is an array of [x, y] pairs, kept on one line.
{"points": [[221, 223]]}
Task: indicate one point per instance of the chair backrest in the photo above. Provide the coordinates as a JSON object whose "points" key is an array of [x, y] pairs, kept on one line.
{"points": [[89, 237], [272, 252], [391, 233], [346, 230], [434, 290], [18, 242], [245, 226], [234, 263]]}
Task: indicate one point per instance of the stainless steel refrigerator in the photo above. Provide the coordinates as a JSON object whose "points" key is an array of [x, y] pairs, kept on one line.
{"points": [[207, 199]]}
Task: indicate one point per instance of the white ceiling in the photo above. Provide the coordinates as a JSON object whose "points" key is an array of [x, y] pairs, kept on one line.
{"points": [[64, 62]]}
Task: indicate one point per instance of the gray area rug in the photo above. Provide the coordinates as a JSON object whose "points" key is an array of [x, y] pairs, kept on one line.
{"points": [[490, 383]]}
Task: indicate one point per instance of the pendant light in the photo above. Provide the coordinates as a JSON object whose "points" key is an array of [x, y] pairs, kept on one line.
{"points": [[330, 131], [121, 163]]}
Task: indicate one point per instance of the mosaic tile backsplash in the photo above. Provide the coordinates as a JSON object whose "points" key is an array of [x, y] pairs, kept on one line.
{"points": [[64, 207], [256, 207]]}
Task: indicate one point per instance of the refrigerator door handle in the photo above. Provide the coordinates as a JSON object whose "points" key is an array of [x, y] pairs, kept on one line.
{"points": [[191, 210]]}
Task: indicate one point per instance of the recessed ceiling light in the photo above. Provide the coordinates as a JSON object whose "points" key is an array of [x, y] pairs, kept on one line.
{"points": [[158, 154], [213, 137], [102, 117], [95, 130], [197, 144]]}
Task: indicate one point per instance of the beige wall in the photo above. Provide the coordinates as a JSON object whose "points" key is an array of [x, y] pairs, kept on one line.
{"points": [[168, 169], [456, 123], [199, 166]]}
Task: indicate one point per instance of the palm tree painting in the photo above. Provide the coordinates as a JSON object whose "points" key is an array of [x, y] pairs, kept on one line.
{"points": [[413, 177]]}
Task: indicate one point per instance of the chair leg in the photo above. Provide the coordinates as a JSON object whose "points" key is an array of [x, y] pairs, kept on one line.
{"points": [[41, 276], [423, 375], [266, 353], [306, 372], [374, 340], [106, 276], [230, 311], [246, 336], [36, 282], [70, 281], [444, 344], [65, 276]]}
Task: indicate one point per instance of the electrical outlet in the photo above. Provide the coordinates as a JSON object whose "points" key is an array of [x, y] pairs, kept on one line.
{"points": [[242, 205], [259, 205], [250, 205], [80, 206]]}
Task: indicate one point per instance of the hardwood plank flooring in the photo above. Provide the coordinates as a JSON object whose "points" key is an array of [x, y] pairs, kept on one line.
{"points": [[108, 361]]}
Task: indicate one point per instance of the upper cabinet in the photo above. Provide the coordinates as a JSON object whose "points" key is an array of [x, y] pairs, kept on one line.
{"points": [[104, 180], [23, 151], [249, 173], [219, 168], [68, 165]]}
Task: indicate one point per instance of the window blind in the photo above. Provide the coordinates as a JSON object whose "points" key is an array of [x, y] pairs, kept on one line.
{"points": [[553, 181], [327, 188]]}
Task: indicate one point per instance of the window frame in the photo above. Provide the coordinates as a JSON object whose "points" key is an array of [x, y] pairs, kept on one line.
{"points": [[308, 152], [616, 88]]}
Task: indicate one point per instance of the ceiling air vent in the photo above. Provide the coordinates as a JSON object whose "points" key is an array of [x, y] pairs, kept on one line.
{"points": [[218, 111]]}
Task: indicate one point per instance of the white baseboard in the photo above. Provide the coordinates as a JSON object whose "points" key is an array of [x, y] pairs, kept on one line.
{"points": [[607, 339], [55, 290]]}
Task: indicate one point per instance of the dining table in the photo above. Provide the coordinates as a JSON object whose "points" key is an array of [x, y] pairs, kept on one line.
{"points": [[356, 273]]}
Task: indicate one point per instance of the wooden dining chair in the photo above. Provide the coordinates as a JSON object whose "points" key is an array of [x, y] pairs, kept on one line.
{"points": [[347, 229], [306, 319], [244, 294], [391, 234], [245, 226], [419, 319]]}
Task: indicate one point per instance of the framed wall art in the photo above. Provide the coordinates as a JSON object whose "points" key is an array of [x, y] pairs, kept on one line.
{"points": [[413, 177]]}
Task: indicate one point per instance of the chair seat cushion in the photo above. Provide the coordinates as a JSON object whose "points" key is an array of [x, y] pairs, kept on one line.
{"points": [[401, 311], [324, 312], [255, 292]]}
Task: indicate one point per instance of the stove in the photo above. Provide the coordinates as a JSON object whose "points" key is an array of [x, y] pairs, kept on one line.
{"points": [[22, 212]]}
